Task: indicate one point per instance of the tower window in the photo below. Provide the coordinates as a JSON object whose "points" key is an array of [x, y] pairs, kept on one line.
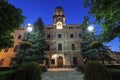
{"points": [[59, 35], [19, 36], [73, 46], [71, 35], [59, 46], [48, 36], [70, 27]]}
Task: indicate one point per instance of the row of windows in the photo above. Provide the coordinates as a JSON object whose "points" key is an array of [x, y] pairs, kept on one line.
{"points": [[48, 48], [60, 47], [15, 49], [3, 60], [22, 28], [49, 28], [60, 36], [49, 36]]}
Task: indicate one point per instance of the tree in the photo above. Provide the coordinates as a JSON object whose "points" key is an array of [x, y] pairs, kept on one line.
{"points": [[107, 14], [10, 19], [37, 38], [92, 48], [22, 54], [33, 49], [87, 39]]}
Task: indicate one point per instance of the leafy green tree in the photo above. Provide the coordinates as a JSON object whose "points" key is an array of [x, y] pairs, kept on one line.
{"points": [[107, 14], [33, 49], [87, 39], [92, 48], [10, 19], [22, 54], [37, 38]]}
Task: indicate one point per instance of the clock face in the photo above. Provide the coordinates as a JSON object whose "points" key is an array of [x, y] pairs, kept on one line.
{"points": [[59, 25]]}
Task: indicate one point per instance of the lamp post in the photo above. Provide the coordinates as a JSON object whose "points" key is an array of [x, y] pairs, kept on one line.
{"points": [[29, 29]]}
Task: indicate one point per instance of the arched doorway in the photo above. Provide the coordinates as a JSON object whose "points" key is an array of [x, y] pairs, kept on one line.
{"points": [[60, 62]]}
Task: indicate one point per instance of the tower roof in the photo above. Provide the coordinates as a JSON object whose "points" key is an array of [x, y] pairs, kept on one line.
{"points": [[59, 8]]}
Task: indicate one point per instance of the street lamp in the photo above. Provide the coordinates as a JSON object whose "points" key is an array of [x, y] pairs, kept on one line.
{"points": [[29, 29], [91, 29]]}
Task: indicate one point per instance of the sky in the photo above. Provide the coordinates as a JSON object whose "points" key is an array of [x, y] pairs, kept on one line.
{"points": [[73, 10]]}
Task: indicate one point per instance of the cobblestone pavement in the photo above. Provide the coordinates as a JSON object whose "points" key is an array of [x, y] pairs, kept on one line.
{"points": [[62, 75]]}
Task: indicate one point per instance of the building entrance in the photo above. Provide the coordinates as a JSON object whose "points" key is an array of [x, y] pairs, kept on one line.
{"points": [[60, 62]]}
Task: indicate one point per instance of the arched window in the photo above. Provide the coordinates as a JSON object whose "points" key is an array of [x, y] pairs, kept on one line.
{"points": [[73, 46], [59, 46], [71, 36]]}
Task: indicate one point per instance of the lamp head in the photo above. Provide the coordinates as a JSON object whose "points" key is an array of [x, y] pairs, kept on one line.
{"points": [[29, 29], [90, 28]]}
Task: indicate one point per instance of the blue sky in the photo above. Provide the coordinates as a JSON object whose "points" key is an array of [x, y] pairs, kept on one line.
{"points": [[73, 9]]}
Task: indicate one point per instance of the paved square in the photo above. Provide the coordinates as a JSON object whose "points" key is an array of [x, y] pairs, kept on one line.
{"points": [[62, 75]]}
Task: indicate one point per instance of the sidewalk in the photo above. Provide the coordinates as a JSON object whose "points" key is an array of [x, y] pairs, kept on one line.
{"points": [[62, 74]]}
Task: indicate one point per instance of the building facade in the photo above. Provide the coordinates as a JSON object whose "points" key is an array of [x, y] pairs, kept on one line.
{"points": [[63, 42], [7, 54]]}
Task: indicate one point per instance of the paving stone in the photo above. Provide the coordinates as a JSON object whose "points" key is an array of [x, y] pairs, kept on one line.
{"points": [[62, 75]]}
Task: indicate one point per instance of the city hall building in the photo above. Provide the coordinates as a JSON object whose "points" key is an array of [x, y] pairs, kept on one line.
{"points": [[63, 43]]}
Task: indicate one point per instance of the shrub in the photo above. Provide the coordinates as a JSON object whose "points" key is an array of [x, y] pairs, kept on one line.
{"points": [[80, 68], [96, 71], [43, 68], [7, 75], [29, 71], [115, 73]]}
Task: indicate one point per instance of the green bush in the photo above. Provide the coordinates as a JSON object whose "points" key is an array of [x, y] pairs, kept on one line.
{"points": [[7, 75], [115, 73], [80, 68], [29, 71], [43, 68], [96, 71]]}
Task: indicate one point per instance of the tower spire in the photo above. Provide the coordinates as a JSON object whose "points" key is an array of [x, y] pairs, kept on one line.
{"points": [[59, 15]]}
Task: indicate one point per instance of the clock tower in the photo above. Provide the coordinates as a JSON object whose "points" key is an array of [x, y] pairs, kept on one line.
{"points": [[59, 18]]}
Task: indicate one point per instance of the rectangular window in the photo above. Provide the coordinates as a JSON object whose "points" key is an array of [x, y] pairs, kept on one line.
{"points": [[74, 60], [11, 61], [16, 48], [70, 27], [6, 50], [1, 62], [80, 36], [47, 48], [53, 61], [19, 36], [71, 35], [48, 36], [59, 35], [59, 46]]}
